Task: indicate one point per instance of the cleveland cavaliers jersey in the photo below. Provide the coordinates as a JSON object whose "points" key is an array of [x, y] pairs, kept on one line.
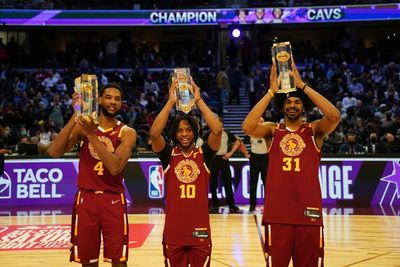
{"points": [[187, 219], [293, 194], [93, 175]]}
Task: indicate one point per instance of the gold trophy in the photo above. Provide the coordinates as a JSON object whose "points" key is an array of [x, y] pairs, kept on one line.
{"points": [[282, 54], [184, 91], [87, 86]]}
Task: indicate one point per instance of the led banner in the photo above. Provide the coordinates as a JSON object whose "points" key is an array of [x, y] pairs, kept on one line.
{"points": [[199, 16], [353, 182]]}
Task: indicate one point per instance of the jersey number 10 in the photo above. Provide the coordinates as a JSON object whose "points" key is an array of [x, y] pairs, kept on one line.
{"points": [[188, 190]]}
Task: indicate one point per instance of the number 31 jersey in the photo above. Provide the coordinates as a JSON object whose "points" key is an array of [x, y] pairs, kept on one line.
{"points": [[293, 194]]}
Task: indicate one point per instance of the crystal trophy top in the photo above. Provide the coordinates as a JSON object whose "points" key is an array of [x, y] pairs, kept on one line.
{"points": [[184, 92], [282, 54], [87, 86]]}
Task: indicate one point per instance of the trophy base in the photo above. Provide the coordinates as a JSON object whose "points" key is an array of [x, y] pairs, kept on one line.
{"points": [[186, 108], [286, 90]]}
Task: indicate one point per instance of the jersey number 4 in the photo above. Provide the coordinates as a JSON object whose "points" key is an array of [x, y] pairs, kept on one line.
{"points": [[291, 164], [99, 168], [188, 190]]}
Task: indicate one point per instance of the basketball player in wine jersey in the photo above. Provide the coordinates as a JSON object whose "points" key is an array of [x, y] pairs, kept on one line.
{"points": [[292, 210], [187, 234], [100, 205]]}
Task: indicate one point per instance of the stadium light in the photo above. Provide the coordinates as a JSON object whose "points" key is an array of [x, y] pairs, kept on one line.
{"points": [[236, 33]]}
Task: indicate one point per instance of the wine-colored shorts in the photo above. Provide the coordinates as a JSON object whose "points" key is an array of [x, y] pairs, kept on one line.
{"points": [[303, 244], [182, 256], [99, 214]]}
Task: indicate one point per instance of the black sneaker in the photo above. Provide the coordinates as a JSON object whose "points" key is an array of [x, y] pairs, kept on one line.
{"points": [[234, 209], [213, 210], [252, 208]]}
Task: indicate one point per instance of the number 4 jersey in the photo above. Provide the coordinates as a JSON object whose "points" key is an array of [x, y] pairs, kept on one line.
{"points": [[293, 194], [93, 175]]}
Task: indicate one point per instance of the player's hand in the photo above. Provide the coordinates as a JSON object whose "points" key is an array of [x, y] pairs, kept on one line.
{"points": [[227, 156], [274, 81], [296, 76], [76, 101], [87, 124], [5, 151], [196, 90], [172, 87]]}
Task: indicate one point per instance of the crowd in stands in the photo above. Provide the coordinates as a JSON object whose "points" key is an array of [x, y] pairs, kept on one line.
{"points": [[363, 83], [172, 4]]}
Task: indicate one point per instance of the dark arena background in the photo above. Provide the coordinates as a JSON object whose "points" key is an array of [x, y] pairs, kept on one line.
{"points": [[346, 50]]}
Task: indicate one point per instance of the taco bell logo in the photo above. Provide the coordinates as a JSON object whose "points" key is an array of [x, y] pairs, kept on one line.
{"points": [[5, 186], [156, 181]]}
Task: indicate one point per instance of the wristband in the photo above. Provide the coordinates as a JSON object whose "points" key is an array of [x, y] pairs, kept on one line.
{"points": [[271, 93], [304, 87]]}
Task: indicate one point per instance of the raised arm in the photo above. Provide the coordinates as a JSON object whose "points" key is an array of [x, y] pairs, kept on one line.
{"points": [[332, 116], [214, 139], [68, 136], [250, 125], [157, 140]]}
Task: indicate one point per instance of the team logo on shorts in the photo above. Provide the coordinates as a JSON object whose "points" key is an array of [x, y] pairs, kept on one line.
{"points": [[105, 140], [187, 171], [156, 181], [5, 186], [292, 144]]}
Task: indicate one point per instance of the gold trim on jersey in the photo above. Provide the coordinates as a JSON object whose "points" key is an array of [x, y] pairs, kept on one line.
{"points": [[206, 262], [78, 199], [187, 171], [120, 131], [315, 144], [277, 125], [292, 144], [101, 129], [166, 169], [122, 198], [207, 169]]}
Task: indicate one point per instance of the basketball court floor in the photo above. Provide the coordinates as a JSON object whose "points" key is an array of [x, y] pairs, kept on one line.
{"points": [[353, 237]]}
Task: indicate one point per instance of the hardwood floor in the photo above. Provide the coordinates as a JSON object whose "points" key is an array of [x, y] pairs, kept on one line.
{"points": [[350, 240]]}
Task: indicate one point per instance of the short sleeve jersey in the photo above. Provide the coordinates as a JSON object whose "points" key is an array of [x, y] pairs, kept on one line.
{"points": [[93, 175], [187, 221], [293, 194]]}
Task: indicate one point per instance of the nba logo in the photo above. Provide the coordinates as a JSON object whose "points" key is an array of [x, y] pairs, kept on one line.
{"points": [[156, 181], [5, 186]]}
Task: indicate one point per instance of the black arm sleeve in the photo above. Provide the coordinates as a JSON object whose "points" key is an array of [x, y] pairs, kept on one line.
{"points": [[165, 156]]}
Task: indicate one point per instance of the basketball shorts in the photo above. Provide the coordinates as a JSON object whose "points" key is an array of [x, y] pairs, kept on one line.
{"points": [[99, 215], [303, 244], [182, 256]]}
